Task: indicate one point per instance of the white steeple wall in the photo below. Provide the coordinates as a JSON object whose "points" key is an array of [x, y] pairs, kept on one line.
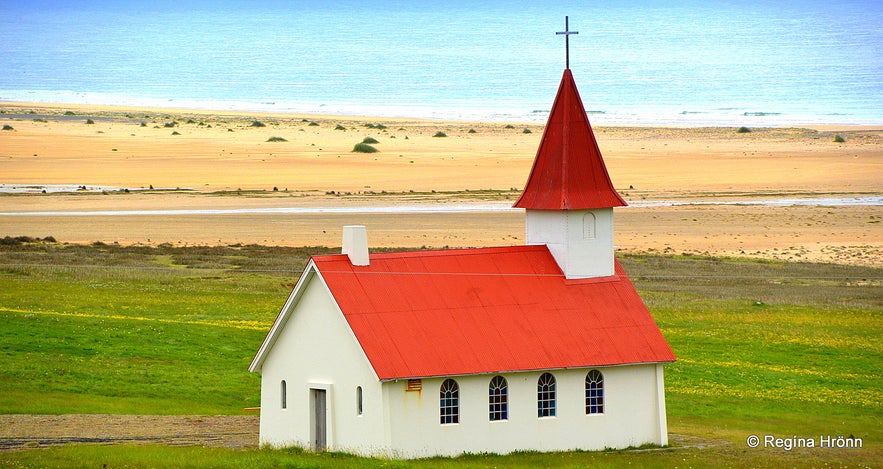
{"points": [[581, 241]]}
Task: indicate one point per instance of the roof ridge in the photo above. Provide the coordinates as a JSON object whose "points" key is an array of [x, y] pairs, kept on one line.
{"points": [[444, 252]]}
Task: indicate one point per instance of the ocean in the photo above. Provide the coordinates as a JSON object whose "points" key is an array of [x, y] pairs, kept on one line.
{"points": [[691, 63]]}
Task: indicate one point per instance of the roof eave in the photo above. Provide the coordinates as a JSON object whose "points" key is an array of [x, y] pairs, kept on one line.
{"points": [[531, 370], [282, 318]]}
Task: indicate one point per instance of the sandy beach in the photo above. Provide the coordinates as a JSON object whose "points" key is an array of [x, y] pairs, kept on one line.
{"points": [[423, 189]]}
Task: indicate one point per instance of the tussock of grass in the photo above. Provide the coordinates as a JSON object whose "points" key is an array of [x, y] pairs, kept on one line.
{"points": [[364, 148]]}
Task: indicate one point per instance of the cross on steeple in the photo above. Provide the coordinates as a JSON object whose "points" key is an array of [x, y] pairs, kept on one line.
{"points": [[567, 32]]}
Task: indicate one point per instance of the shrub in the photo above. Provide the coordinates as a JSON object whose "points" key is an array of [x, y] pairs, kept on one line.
{"points": [[743, 130], [364, 148], [838, 139], [526, 131], [340, 127], [18, 240], [276, 139], [375, 126], [175, 133], [257, 124], [509, 126], [170, 124], [313, 123], [440, 134], [471, 131], [370, 140], [7, 127], [90, 121], [70, 113]]}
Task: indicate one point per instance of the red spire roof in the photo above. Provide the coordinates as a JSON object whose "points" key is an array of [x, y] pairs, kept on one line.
{"points": [[568, 172]]}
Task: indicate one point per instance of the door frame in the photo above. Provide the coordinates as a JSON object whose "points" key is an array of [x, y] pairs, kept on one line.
{"points": [[320, 416]]}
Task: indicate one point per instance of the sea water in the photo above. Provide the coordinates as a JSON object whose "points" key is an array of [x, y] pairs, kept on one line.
{"points": [[752, 63]]}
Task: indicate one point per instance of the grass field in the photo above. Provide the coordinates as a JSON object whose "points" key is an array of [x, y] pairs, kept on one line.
{"points": [[764, 348]]}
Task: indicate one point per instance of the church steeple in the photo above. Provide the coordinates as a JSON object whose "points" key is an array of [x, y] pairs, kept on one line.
{"points": [[569, 197]]}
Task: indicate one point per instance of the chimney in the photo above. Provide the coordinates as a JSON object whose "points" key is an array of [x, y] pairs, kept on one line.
{"points": [[355, 244]]}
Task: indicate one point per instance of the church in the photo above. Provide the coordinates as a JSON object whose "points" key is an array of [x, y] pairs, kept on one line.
{"points": [[542, 347]]}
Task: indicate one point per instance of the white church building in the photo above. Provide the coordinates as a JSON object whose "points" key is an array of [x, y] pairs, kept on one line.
{"points": [[545, 346]]}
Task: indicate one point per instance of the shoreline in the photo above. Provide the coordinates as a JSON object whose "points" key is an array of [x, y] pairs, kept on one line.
{"points": [[344, 116]]}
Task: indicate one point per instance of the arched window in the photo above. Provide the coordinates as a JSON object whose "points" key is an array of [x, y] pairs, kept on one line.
{"points": [[589, 226], [358, 400], [498, 399], [594, 392], [546, 395], [449, 402], [284, 396]]}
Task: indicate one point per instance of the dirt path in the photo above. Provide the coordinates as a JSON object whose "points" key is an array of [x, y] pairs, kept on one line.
{"points": [[34, 431]]}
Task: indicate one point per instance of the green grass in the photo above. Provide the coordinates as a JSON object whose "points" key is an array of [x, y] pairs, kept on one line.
{"points": [[74, 456], [763, 348], [103, 329]]}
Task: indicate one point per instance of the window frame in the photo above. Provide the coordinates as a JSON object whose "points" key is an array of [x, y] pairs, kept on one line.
{"points": [[594, 392], [547, 402], [284, 395], [498, 399], [449, 402]]}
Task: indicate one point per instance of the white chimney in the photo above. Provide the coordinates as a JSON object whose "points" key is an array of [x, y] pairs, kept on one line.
{"points": [[355, 244]]}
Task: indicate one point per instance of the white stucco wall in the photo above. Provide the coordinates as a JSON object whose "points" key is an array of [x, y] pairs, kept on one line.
{"points": [[631, 416], [316, 349], [581, 241]]}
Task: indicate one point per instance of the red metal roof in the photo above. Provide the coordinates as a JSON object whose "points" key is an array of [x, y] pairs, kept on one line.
{"points": [[568, 172], [470, 311]]}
